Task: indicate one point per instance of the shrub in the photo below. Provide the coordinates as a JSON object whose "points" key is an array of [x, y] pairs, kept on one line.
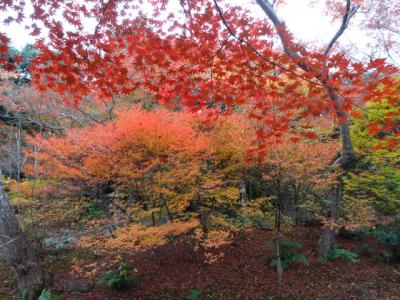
{"points": [[92, 210], [122, 278], [290, 254], [341, 253], [384, 256], [194, 294], [47, 295], [357, 234], [396, 272], [95, 211], [379, 255], [390, 236]]}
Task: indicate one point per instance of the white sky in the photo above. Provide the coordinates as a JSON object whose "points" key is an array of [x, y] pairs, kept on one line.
{"points": [[307, 23]]}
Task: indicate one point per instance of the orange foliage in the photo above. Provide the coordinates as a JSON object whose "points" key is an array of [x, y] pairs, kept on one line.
{"points": [[136, 144], [302, 158], [178, 154], [303, 171], [136, 237]]}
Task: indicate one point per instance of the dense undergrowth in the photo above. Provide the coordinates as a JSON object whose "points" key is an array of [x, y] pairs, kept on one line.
{"points": [[97, 259]]}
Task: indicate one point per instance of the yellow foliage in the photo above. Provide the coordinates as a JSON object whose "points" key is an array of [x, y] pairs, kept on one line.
{"points": [[217, 238], [137, 236], [21, 201], [29, 188], [359, 213]]}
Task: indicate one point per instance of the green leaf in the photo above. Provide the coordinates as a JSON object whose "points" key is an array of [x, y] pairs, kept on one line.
{"points": [[194, 294]]}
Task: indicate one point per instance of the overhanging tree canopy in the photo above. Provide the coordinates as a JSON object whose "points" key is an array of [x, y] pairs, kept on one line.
{"points": [[204, 54]]}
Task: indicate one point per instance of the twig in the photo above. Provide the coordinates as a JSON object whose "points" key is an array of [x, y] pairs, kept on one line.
{"points": [[258, 53]]}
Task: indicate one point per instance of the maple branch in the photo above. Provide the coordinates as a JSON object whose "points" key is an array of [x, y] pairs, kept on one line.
{"points": [[248, 65], [71, 117], [280, 26], [350, 12], [90, 116], [258, 53], [283, 34], [332, 91], [369, 8], [101, 19], [219, 50], [110, 109], [30, 121], [385, 45]]}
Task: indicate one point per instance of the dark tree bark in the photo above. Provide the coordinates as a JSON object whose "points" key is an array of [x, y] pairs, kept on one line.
{"points": [[243, 194], [277, 239], [165, 203], [326, 243], [348, 156], [327, 240], [21, 256]]}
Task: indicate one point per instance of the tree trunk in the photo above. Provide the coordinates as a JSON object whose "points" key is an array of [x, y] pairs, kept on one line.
{"points": [[327, 240], [19, 252], [296, 202], [277, 238], [348, 156], [345, 162], [326, 243], [279, 268], [165, 202], [243, 194], [153, 214]]}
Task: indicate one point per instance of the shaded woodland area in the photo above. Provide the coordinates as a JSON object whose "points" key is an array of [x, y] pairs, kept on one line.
{"points": [[195, 150]]}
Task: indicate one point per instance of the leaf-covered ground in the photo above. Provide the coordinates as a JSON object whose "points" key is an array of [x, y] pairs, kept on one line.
{"points": [[170, 268], [7, 284]]}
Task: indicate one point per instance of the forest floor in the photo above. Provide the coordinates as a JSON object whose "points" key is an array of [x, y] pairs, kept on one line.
{"points": [[169, 267]]}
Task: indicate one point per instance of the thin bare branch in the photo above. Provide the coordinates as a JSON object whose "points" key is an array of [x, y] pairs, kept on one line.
{"points": [[258, 53], [7, 243], [349, 13]]}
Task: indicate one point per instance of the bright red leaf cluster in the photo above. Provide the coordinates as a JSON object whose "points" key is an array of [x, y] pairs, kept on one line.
{"points": [[209, 54]]}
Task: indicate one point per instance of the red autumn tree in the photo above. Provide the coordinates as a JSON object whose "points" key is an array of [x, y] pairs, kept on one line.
{"points": [[148, 153], [209, 53]]}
